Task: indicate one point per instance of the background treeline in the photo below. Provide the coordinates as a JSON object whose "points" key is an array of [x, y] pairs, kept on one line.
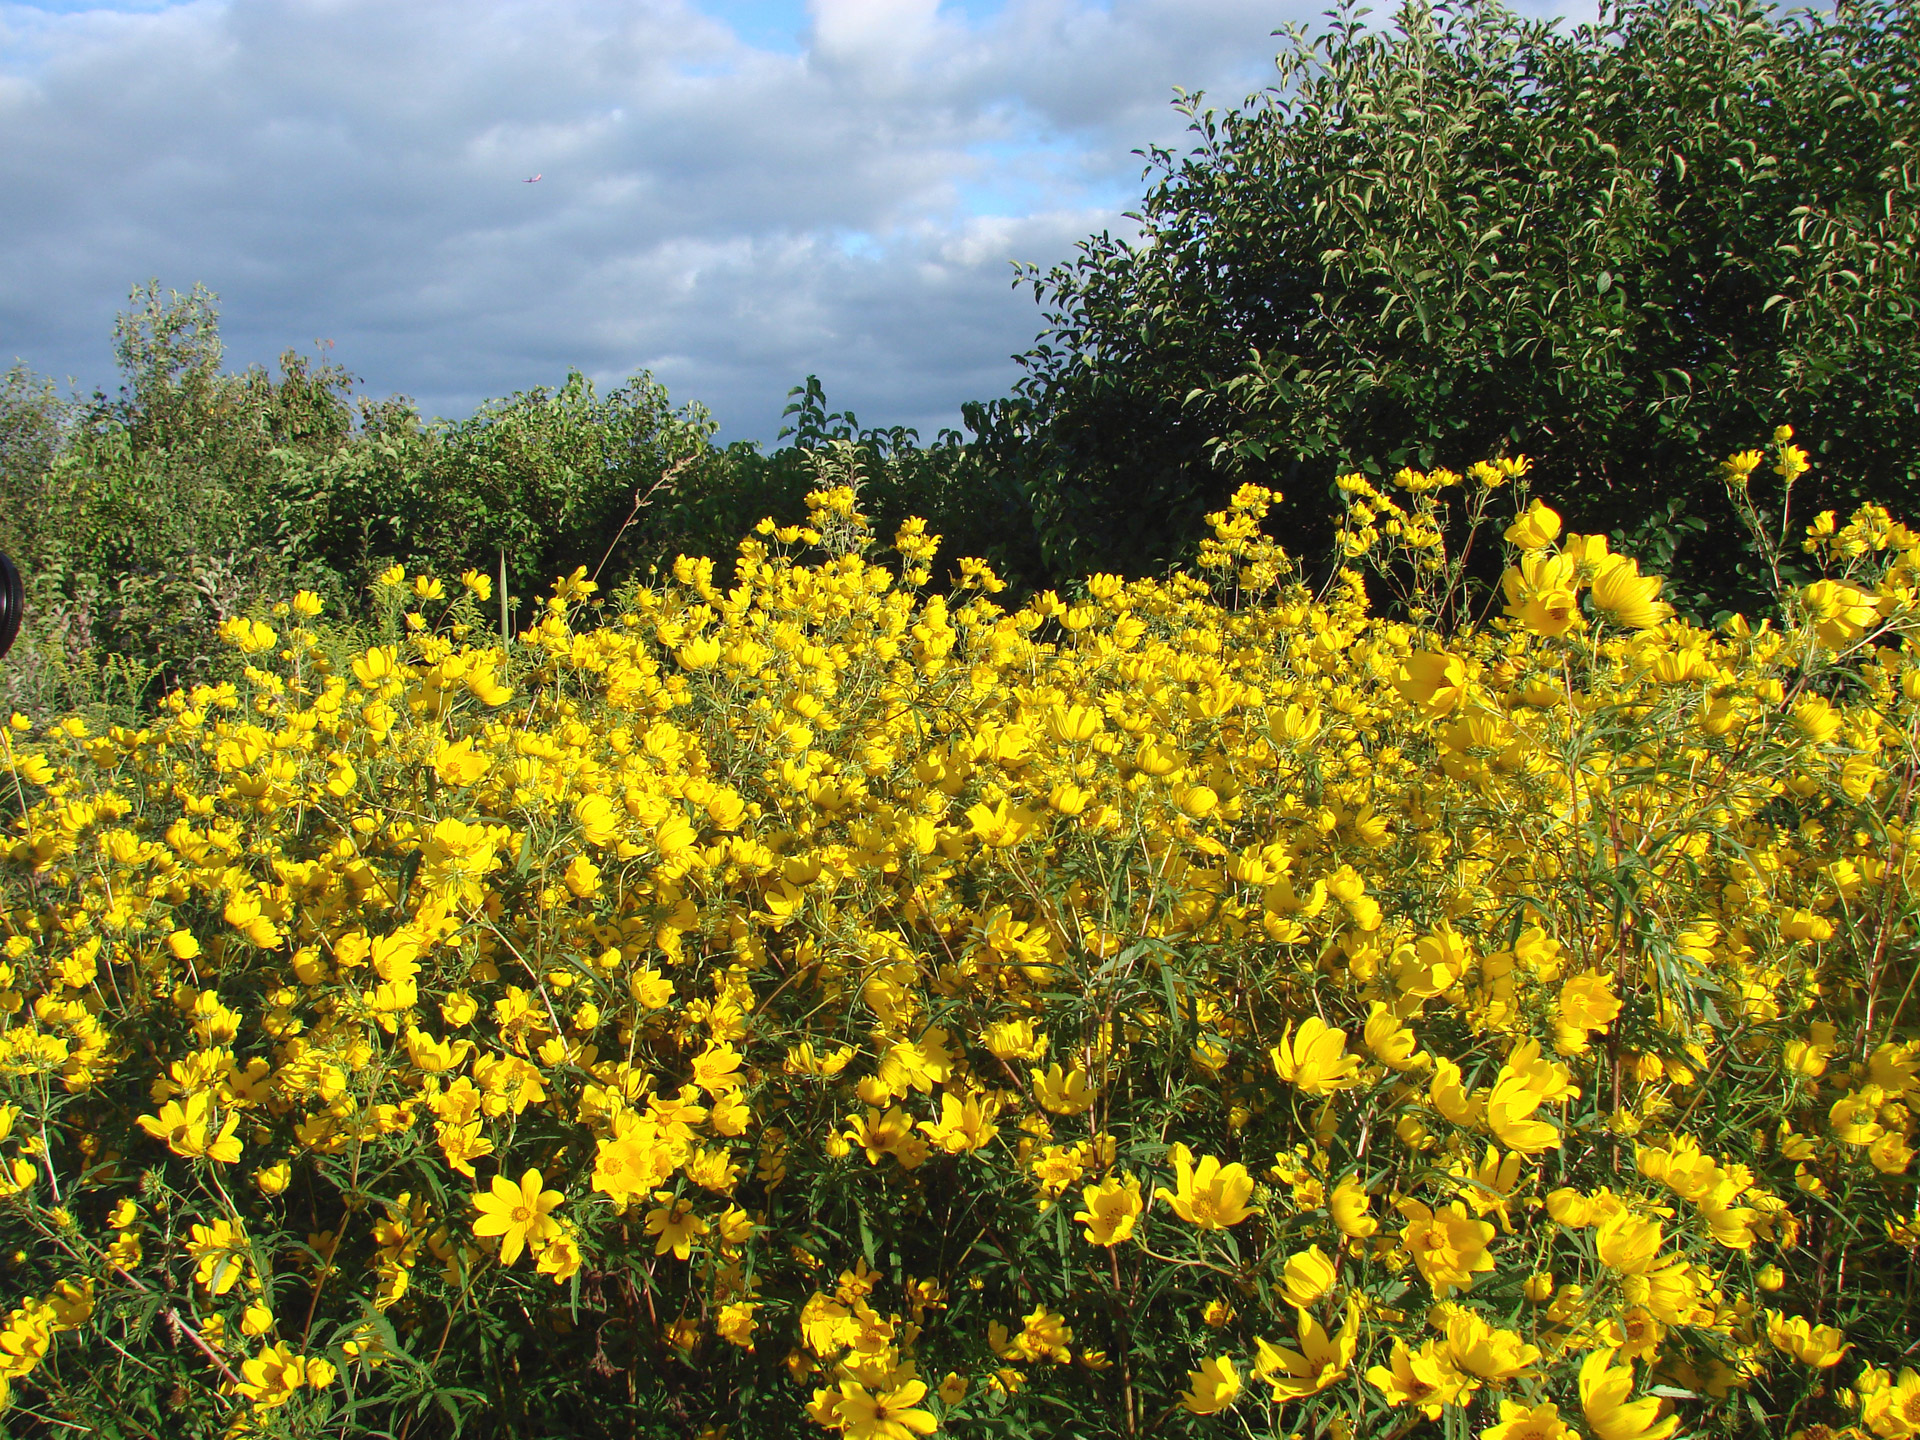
{"points": [[143, 520], [1627, 251]]}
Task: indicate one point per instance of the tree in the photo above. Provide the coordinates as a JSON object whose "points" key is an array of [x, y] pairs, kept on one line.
{"points": [[544, 478], [163, 504], [1626, 251]]}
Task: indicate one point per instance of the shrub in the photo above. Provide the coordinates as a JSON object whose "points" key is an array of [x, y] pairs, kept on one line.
{"points": [[1195, 1004], [1622, 250], [140, 524], [144, 522]]}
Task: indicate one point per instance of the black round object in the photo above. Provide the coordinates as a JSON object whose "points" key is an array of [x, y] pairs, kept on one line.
{"points": [[13, 603]]}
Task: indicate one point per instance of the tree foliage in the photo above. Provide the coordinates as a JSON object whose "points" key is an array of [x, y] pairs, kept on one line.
{"points": [[145, 520], [1624, 250]]}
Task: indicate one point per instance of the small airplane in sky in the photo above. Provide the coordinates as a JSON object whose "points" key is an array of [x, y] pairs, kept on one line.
{"points": [[531, 180]]}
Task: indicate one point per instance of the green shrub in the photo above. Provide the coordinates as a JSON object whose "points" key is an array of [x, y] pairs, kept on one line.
{"points": [[145, 521], [1622, 250]]}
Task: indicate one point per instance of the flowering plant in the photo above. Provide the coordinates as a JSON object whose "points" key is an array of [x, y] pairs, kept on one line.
{"points": [[1201, 1003]]}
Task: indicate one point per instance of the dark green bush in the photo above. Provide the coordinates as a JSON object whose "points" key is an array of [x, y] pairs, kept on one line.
{"points": [[1626, 251]]}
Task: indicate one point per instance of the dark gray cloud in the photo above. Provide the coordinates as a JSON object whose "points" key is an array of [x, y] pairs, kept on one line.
{"points": [[731, 215]]}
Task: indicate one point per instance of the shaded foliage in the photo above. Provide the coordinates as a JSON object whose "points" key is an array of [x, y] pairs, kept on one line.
{"points": [[1625, 251]]}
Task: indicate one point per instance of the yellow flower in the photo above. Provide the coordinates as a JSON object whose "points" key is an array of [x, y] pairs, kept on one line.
{"points": [[1587, 1003], [1893, 1410], [377, 666], [519, 1214], [1841, 612], [1198, 801], [883, 1133], [675, 1226], [1434, 684], [1793, 459], [220, 1253], [560, 1256], [249, 637], [890, 1414], [735, 1323], [964, 1125], [1513, 1100], [1489, 1185], [704, 899], [629, 1165], [1307, 1276], [1485, 1350], [270, 1379], [699, 654], [1536, 528], [1390, 1042], [1212, 1388], [1319, 1362], [71, 1304], [1528, 1422], [1001, 825], [1211, 1196], [1448, 1245], [1738, 469], [1113, 1208], [1314, 1058], [1550, 612], [599, 821], [1630, 599], [1348, 1206], [1589, 553], [1074, 724], [485, 686], [1820, 1346], [458, 856], [1891, 1154], [1450, 1097], [184, 1128], [653, 990], [1065, 1093], [1629, 1244], [582, 877], [1069, 800], [1046, 1333], [1604, 1388], [1015, 1039], [1423, 1378], [716, 1069]]}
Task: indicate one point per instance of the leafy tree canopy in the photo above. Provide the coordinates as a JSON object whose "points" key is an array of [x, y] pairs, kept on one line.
{"points": [[1626, 251]]}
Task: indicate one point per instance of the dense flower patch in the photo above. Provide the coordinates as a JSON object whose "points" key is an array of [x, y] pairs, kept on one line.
{"points": [[1199, 1005]]}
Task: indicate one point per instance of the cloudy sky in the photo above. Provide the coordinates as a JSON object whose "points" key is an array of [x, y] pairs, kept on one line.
{"points": [[733, 193]]}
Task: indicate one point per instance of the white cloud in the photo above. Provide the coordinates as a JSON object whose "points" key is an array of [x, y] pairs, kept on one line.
{"points": [[730, 215], [887, 35]]}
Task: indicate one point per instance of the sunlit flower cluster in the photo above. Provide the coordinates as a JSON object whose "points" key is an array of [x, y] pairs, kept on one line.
{"points": [[885, 1010]]}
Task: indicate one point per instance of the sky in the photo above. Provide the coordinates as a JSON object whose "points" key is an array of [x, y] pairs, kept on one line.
{"points": [[732, 194]]}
